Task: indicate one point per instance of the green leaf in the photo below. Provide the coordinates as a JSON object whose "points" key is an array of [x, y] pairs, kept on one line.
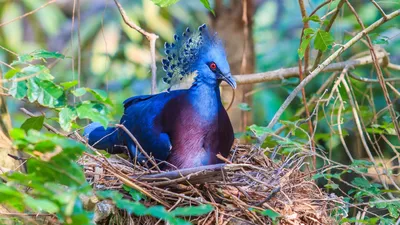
{"points": [[362, 163], [259, 131], [100, 95], [323, 40], [244, 106], [18, 89], [35, 123], [206, 4], [97, 93], [38, 71], [114, 195], [307, 37], [79, 92], [303, 46], [96, 112], [46, 93], [332, 186], [314, 18], [193, 210], [66, 116], [394, 210], [164, 3], [309, 31], [17, 133], [41, 205], [271, 214], [69, 84], [361, 182], [11, 73], [37, 54], [132, 207]]}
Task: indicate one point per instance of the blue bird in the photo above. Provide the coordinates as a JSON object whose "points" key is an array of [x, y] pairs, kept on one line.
{"points": [[186, 128]]}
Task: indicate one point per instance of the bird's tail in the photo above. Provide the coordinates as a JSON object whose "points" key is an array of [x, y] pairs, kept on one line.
{"points": [[101, 138]]}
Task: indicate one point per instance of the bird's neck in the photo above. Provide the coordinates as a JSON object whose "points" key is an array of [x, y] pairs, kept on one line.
{"points": [[205, 98]]}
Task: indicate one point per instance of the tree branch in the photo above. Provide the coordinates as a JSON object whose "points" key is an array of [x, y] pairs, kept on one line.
{"points": [[286, 73], [152, 39]]}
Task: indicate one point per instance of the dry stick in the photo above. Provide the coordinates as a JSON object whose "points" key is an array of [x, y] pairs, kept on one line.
{"points": [[28, 13], [285, 73], [369, 80], [303, 91], [379, 8], [152, 39], [315, 72], [379, 73], [320, 6], [138, 145]]}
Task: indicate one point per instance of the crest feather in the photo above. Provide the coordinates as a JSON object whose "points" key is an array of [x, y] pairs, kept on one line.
{"points": [[181, 55]]}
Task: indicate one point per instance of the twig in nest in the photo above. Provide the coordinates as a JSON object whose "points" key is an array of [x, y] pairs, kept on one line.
{"points": [[138, 145], [152, 39]]}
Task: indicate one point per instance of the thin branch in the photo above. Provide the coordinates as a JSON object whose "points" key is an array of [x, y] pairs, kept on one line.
{"points": [[285, 73], [138, 145], [323, 65], [152, 39], [369, 80], [303, 91], [28, 13], [393, 66], [379, 8]]}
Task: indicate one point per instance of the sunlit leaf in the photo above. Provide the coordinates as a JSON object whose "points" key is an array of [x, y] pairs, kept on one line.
{"points": [[94, 111], [18, 89], [38, 71], [66, 116], [50, 94], [164, 3], [69, 84]]}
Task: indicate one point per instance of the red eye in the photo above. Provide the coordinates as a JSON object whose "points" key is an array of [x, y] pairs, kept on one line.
{"points": [[213, 66]]}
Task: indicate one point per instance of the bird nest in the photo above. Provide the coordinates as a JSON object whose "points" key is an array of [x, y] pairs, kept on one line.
{"points": [[243, 190]]}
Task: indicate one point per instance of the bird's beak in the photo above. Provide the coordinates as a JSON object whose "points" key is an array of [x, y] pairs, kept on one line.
{"points": [[228, 78]]}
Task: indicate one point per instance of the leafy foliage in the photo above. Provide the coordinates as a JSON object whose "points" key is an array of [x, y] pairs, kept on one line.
{"points": [[35, 82], [54, 179], [322, 39], [159, 212]]}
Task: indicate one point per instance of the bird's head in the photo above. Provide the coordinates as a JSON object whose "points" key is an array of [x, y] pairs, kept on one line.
{"points": [[200, 51]]}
